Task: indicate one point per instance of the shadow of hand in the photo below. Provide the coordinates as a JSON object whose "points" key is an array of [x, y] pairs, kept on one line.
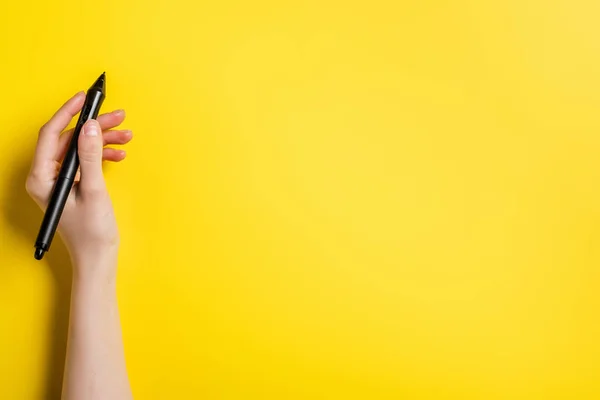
{"points": [[25, 218]]}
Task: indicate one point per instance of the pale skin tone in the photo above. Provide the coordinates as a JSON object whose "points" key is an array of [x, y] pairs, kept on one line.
{"points": [[95, 362]]}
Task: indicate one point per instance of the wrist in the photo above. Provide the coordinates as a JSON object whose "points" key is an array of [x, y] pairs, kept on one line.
{"points": [[98, 266]]}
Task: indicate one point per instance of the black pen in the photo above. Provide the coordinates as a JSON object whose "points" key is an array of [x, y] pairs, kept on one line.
{"points": [[66, 177]]}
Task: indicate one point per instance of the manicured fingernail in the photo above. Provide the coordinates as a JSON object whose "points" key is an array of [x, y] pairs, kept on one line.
{"points": [[90, 129], [119, 112]]}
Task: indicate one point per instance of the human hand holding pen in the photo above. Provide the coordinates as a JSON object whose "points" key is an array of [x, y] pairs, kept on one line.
{"points": [[95, 363], [87, 226]]}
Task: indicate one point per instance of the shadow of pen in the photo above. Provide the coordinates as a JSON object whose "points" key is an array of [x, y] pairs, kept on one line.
{"points": [[25, 217]]}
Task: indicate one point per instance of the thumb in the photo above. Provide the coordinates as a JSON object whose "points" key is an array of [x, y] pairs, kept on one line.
{"points": [[90, 158]]}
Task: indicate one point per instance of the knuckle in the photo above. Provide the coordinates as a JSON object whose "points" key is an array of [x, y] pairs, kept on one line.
{"points": [[88, 156], [32, 185], [43, 129], [28, 187], [93, 193]]}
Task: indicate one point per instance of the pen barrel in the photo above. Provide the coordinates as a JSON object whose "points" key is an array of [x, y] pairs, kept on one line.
{"points": [[61, 191], [91, 107]]}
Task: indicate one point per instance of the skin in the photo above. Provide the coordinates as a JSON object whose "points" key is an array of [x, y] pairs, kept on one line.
{"points": [[95, 362]]}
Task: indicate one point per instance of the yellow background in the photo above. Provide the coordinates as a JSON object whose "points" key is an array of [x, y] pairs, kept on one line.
{"points": [[323, 199]]}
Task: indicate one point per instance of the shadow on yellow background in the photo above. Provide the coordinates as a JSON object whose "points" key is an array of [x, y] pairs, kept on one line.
{"points": [[22, 218]]}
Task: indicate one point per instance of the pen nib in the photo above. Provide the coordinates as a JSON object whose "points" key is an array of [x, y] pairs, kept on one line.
{"points": [[100, 83]]}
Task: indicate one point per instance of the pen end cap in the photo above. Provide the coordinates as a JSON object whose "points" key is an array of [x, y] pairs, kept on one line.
{"points": [[39, 253]]}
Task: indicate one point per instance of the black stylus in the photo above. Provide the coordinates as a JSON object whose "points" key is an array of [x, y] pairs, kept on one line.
{"points": [[93, 101]]}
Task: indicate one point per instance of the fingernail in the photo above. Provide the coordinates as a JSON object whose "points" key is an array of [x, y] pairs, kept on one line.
{"points": [[119, 112], [90, 129]]}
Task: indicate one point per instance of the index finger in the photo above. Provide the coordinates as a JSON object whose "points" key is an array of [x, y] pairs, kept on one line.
{"points": [[47, 143]]}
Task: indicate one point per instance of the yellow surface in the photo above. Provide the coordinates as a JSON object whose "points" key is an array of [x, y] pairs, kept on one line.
{"points": [[323, 200]]}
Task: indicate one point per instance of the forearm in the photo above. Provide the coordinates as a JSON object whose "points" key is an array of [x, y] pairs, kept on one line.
{"points": [[95, 363]]}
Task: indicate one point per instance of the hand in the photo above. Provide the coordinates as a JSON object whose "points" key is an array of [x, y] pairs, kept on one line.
{"points": [[87, 226]]}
